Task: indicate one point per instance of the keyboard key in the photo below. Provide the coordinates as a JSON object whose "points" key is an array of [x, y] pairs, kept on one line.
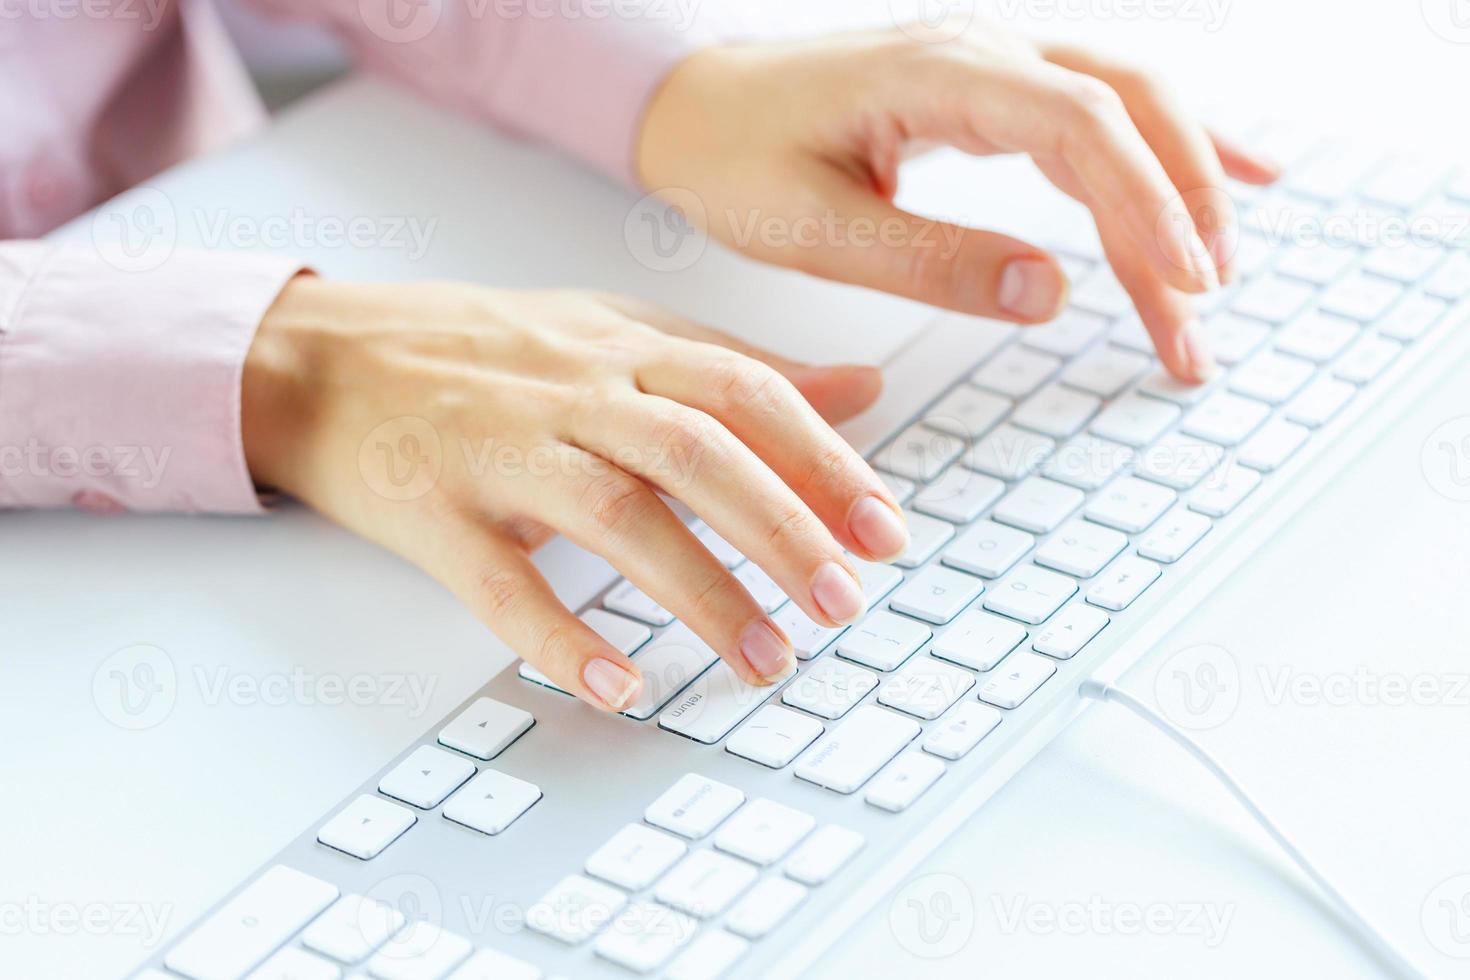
{"points": [[671, 663], [1009, 453], [988, 549], [876, 578], [1225, 419], [491, 802], [1069, 631], [1030, 594], [937, 594], [1081, 548], [644, 936], [823, 854], [925, 688], [961, 730], [1087, 462], [1319, 401], [1411, 317], [251, 925], [723, 550], [882, 641], [1056, 411], [1123, 582], [575, 909], [1224, 491], [1173, 536], [774, 735], [1404, 262], [1129, 504], [623, 635], [365, 826], [1273, 444], [919, 453], [1360, 297], [1366, 359], [1318, 262], [1272, 299], [714, 704], [926, 536], [1135, 420], [903, 781], [1105, 371], [1130, 334], [958, 495], [353, 928], [1067, 335], [763, 831], [1403, 183], [1101, 293], [764, 907], [635, 857], [808, 637], [830, 689], [1178, 461], [1316, 336], [901, 489], [423, 951], [485, 728], [1016, 680], [978, 640], [490, 964], [1163, 385], [709, 957], [705, 883], [1016, 372], [426, 777], [292, 963], [1234, 338], [693, 806], [1038, 505], [848, 756], [629, 600], [1451, 280], [967, 412], [762, 588], [1270, 377]]}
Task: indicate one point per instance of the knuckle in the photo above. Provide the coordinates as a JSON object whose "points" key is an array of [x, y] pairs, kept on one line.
{"points": [[557, 650], [614, 501], [500, 591], [744, 384], [687, 436], [793, 527], [828, 466], [708, 597], [1094, 104]]}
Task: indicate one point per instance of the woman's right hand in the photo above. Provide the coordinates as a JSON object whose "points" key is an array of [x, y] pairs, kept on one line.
{"points": [[461, 427]]}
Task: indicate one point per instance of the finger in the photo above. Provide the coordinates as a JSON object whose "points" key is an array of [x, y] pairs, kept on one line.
{"points": [[500, 585], [609, 512], [1168, 315], [763, 410], [837, 392], [1243, 165], [691, 456], [1180, 143], [1032, 106]]}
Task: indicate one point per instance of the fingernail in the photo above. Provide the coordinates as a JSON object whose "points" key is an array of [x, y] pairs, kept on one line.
{"points": [[837, 593], [1222, 250], [613, 685], [1030, 289], [878, 528], [765, 651], [1202, 263], [1195, 353]]}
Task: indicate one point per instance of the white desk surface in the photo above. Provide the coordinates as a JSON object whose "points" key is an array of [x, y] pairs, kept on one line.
{"points": [[121, 828]]}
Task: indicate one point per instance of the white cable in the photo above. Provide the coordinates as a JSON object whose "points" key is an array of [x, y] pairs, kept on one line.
{"points": [[1402, 966]]}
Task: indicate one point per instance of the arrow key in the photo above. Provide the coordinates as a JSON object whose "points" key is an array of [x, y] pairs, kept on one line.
{"points": [[365, 826], [426, 777], [491, 801], [485, 728]]}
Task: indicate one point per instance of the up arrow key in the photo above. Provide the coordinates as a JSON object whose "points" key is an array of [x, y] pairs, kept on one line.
{"points": [[485, 728]]}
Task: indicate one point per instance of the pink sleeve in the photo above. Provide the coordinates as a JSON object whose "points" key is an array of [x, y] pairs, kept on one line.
{"points": [[122, 389], [573, 73]]}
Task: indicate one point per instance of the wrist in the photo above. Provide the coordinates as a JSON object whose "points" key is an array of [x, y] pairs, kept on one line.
{"points": [[276, 409]]}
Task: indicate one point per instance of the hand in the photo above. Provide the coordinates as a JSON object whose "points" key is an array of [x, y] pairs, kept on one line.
{"points": [[461, 427], [815, 131]]}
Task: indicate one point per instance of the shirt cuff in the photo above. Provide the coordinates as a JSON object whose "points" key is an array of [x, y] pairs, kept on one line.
{"points": [[121, 389]]}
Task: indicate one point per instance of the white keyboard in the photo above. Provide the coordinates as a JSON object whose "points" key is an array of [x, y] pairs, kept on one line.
{"points": [[1059, 492]]}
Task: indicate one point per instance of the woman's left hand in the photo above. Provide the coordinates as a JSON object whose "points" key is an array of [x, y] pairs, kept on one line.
{"points": [[810, 134]]}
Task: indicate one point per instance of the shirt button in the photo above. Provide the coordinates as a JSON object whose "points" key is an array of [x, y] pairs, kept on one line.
{"points": [[96, 502]]}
